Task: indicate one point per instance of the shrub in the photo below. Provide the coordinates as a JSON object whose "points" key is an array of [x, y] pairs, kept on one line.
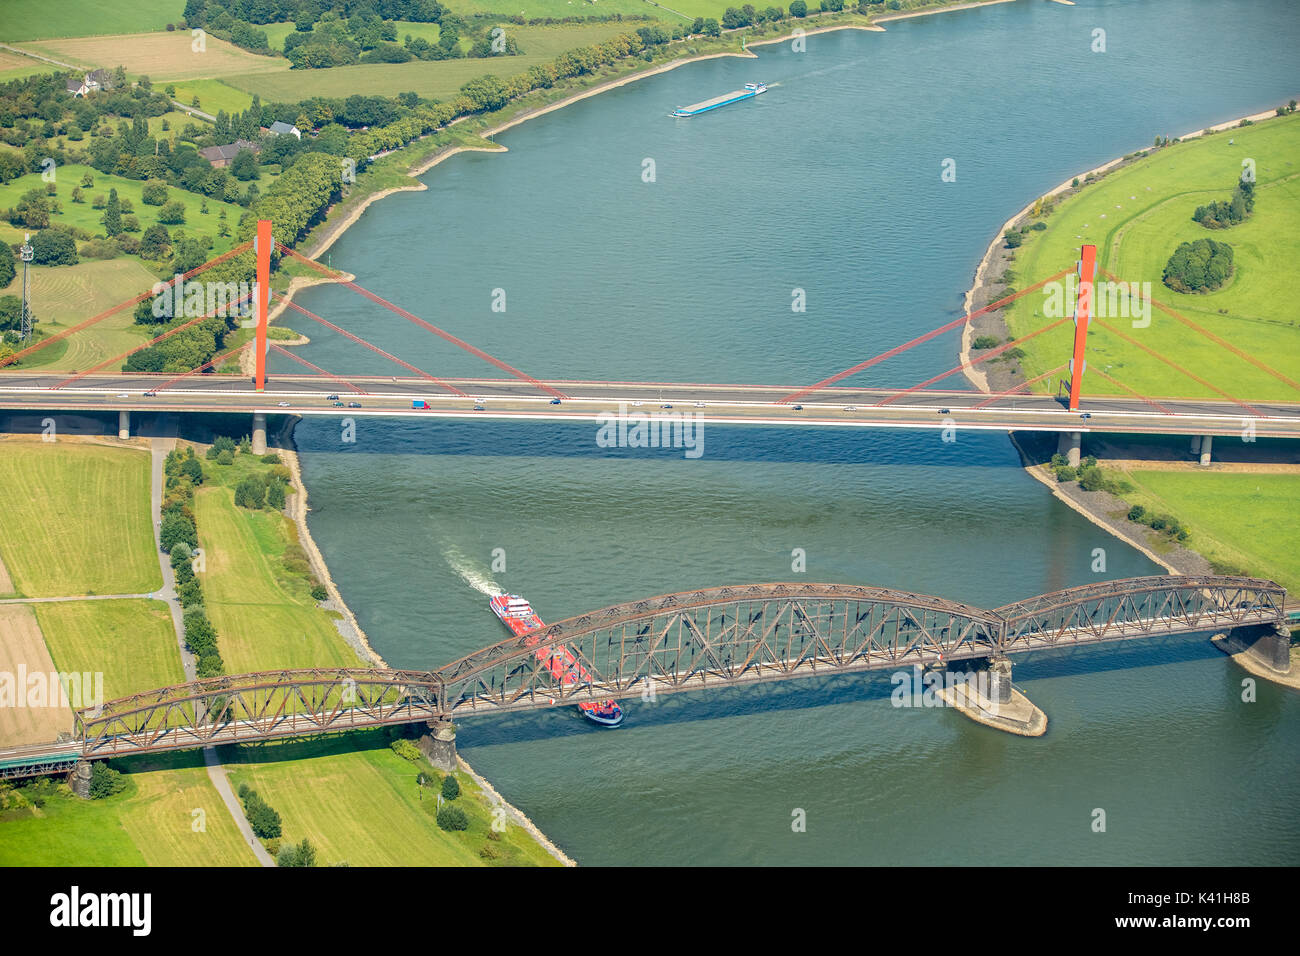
{"points": [[181, 554], [1090, 478], [1089, 462], [271, 458], [226, 457], [250, 492], [450, 787], [105, 781], [405, 749], [452, 817], [190, 594], [984, 342], [184, 571], [1136, 513], [1065, 473], [319, 592], [275, 496]]}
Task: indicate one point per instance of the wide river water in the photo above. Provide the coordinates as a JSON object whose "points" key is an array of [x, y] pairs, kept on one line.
{"points": [[829, 183]]}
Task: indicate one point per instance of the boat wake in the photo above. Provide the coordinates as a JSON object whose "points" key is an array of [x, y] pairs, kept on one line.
{"points": [[475, 577]]}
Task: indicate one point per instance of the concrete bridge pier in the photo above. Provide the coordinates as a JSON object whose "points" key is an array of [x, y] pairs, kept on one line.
{"points": [[440, 745], [1000, 680], [79, 779], [124, 424], [1196, 445], [1207, 442], [259, 433], [1273, 648], [1070, 444]]}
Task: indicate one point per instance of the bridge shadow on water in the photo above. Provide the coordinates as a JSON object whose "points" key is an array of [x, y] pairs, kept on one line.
{"points": [[813, 692]]}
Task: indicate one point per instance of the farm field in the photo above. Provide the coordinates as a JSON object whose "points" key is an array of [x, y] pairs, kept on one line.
{"points": [[83, 526], [160, 56], [1137, 216], [441, 79], [22, 648], [166, 817], [63, 296], [131, 642], [264, 615], [357, 801], [15, 66], [214, 96], [36, 19]]}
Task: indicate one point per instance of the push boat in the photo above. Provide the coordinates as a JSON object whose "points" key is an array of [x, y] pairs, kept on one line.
{"points": [[519, 618], [735, 96]]}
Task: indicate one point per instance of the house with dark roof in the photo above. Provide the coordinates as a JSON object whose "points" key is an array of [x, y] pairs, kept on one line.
{"points": [[90, 82], [222, 156]]}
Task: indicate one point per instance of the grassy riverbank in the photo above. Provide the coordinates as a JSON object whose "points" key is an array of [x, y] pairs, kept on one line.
{"points": [[359, 803], [1136, 216], [1242, 523]]}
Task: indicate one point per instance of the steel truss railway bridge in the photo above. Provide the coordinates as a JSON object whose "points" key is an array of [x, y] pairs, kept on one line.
{"points": [[840, 400], [689, 641]]}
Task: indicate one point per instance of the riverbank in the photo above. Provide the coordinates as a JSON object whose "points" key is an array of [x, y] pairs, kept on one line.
{"points": [[1106, 510], [997, 258]]}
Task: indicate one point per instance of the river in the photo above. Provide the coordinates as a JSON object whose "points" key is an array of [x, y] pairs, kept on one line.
{"points": [[829, 183]]}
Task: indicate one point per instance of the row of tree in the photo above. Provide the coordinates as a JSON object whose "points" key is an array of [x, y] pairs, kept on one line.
{"points": [[1221, 214]]}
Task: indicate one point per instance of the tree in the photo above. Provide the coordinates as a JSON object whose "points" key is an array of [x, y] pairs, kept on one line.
{"points": [[113, 214], [154, 193], [105, 781], [173, 214], [450, 787], [192, 470], [250, 492], [33, 210], [11, 311], [8, 267], [798, 8], [262, 818], [275, 497], [155, 242], [244, 166], [52, 247], [177, 527]]}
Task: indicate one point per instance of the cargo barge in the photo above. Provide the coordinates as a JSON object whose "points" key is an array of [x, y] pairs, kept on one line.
{"points": [[519, 618], [735, 96]]}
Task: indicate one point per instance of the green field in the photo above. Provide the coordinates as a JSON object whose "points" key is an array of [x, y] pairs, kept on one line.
{"points": [[153, 823], [439, 79], [132, 642], [84, 216], [77, 520], [33, 19], [62, 296], [357, 801], [214, 96], [1243, 522], [1136, 216], [264, 615]]}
